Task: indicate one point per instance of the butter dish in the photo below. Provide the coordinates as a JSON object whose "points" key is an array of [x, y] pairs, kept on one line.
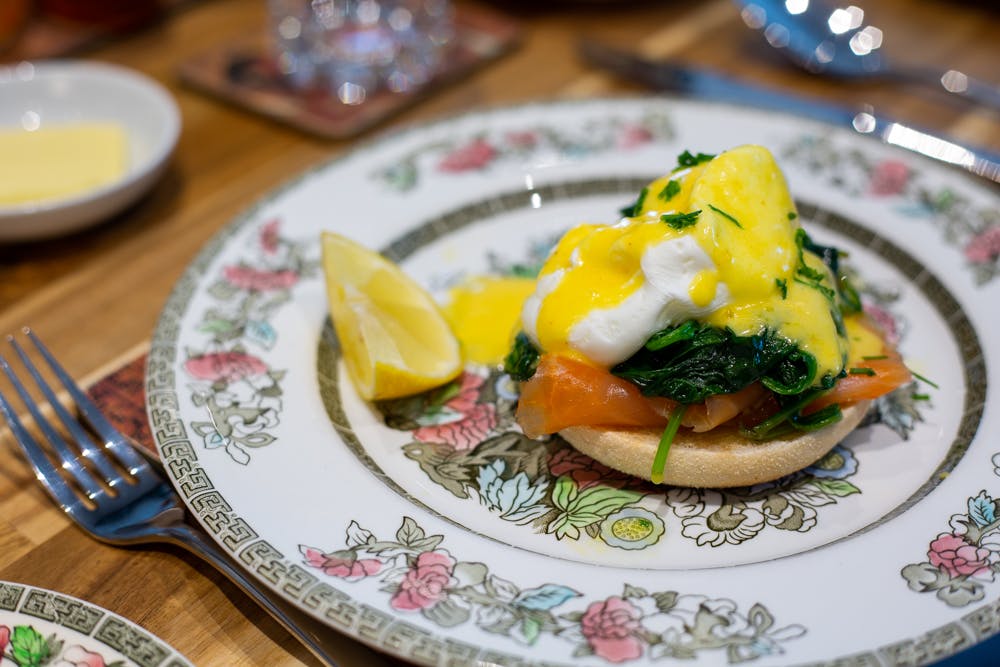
{"points": [[79, 142]]}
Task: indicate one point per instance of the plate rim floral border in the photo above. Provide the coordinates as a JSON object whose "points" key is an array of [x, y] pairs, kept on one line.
{"points": [[295, 584]]}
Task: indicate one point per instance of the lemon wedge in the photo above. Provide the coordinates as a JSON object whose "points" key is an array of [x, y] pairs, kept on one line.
{"points": [[395, 340]]}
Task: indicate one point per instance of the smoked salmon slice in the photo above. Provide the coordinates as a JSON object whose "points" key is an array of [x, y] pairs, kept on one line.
{"points": [[871, 379], [565, 392]]}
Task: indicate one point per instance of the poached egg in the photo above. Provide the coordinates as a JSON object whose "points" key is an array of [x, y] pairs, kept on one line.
{"points": [[717, 241]]}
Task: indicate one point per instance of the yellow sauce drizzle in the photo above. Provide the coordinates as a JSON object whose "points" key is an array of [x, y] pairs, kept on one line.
{"points": [[484, 312], [747, 226]]}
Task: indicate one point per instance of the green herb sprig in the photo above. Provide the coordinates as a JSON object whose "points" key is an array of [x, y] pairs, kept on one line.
{"points": [[680, 220], [670, 190], [850, 301], [689, 159], [633, 209], [666, 439], [726, 216]]}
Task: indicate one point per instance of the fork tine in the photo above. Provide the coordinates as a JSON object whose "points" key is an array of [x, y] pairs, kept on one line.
{"points": [[112, 438], [44, 469], [82, 439], [69, 459]]}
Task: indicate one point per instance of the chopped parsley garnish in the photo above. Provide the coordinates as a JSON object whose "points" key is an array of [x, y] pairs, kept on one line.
{"points": [[726, 215], [862, 371], [680, 220], [632, 210], [804, 269], [809, 273], [875, 357], [782, 287], [670, 190], [792, 215], [921, 397], [850, 301], [810, 277], [687, 159], [823, 289]]}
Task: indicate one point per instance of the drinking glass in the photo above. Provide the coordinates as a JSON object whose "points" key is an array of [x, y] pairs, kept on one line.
{"points": [[356, 47]]}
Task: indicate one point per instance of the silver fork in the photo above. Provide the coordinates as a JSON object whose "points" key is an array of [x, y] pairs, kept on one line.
{"points": [[124, 499]]}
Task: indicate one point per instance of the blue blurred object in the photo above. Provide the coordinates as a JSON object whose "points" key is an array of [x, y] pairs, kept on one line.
{"points": [[708, 85], [983, 654], [828, 39]]}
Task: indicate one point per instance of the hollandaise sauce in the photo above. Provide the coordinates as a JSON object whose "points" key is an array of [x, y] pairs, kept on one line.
{"points": [[484, 313], [706, 304], [716, 241]]}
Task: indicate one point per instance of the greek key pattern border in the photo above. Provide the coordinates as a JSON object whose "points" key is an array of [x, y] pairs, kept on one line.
{"points": [[142, 648], [385, 632]]}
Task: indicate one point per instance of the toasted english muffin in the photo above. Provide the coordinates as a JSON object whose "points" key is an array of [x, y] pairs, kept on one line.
{"points": [[714, 459]]}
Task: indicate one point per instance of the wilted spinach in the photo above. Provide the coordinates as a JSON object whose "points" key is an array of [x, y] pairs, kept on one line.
{"points": [[850, 301], [522, 360], [693, 361]]}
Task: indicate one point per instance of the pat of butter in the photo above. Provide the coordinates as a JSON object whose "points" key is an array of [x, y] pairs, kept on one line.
{"points": [[62, 161]]}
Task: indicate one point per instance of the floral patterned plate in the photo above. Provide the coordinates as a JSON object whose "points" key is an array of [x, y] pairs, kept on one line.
{"points": [[432, 529], [40, 627]]}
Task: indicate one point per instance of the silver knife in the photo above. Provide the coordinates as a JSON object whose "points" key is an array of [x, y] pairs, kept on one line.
{"points": [[705, 84]]}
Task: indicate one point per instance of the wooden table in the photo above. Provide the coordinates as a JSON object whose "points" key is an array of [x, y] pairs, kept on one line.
{"points": [[95, 296]]}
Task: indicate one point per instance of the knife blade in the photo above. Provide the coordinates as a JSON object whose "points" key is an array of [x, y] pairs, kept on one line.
{"points": [[708, 85]]}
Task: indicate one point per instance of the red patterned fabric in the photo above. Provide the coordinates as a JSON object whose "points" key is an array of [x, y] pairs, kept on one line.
{"points": [[121, 396]]}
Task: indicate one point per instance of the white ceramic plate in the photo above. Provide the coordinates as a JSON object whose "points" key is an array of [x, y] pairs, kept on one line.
{"points": [[42, 627], [51, 93], [433, 530]]}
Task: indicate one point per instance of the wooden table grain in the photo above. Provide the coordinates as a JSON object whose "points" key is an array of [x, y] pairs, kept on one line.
{"points": [[95, 296]]}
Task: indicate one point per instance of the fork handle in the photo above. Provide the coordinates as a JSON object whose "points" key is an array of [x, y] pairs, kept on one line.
{"points": [[322, 641]]}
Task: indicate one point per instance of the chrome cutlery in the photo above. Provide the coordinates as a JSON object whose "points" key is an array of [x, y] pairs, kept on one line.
{"points": [[116, 495], [837, 41], [705, 84]]}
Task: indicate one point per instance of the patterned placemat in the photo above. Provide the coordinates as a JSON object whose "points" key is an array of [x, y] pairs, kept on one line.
{"points": [[246, 76], [121, 395]]}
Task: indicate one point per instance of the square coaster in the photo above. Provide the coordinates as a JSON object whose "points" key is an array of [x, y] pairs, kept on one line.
{"points": [[245, 75], [44, 36]]}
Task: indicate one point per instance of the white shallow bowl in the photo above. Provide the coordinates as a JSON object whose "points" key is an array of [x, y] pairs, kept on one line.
{"points": [[58, 92]]}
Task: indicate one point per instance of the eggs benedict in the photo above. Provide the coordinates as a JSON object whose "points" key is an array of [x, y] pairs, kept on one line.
{"points": [[702, 340]]}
